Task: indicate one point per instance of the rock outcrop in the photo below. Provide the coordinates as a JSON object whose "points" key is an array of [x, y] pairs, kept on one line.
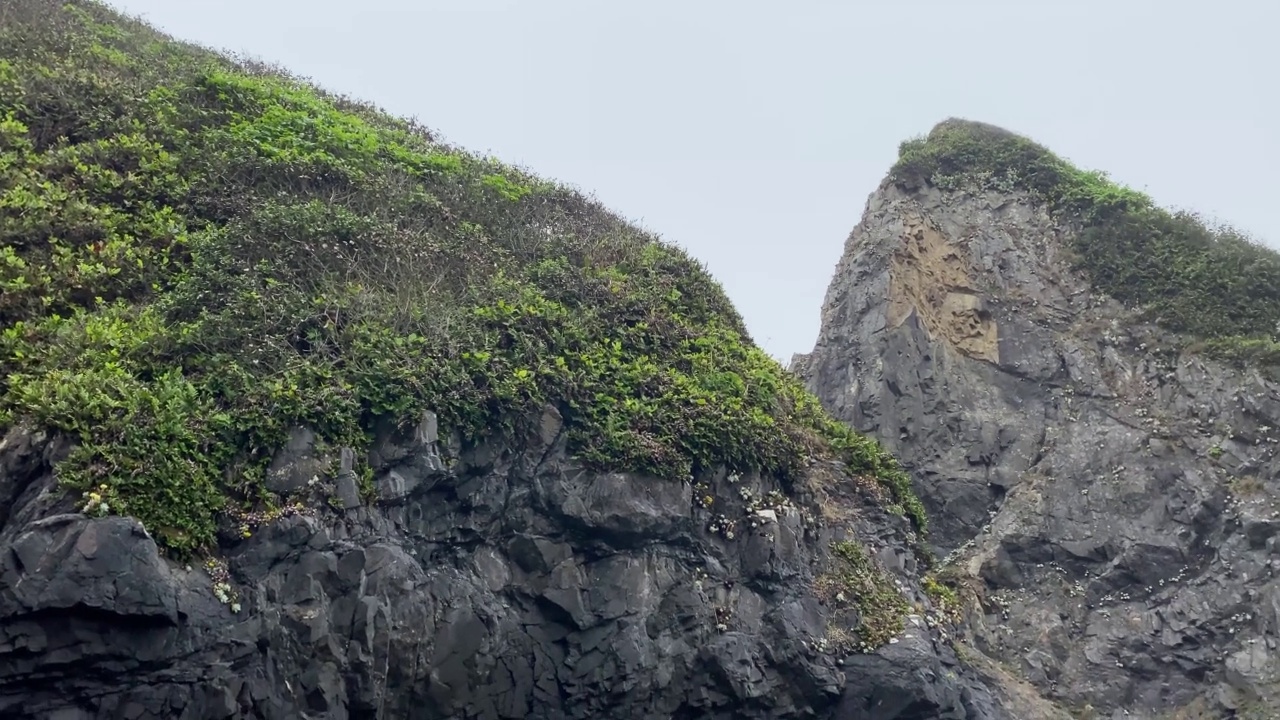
{"points": [[1108, 498], [500, 581]]}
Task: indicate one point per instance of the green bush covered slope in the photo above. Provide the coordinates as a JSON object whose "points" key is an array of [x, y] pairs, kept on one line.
{"points": [[196, 255], [1214, 286]]}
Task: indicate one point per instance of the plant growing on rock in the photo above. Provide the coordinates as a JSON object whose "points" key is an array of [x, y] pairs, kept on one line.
{"points": [[1213, 284], [199, 254], [943, 597], [222, 587], [855, 581]]}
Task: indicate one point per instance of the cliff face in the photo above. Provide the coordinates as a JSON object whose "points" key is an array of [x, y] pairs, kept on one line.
{"points": [[1107, 496], [502, 581]]}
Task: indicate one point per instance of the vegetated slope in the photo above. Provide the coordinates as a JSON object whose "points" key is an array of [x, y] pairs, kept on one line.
{"points": [[1213, 284], [197, 255], [1083, 387]]}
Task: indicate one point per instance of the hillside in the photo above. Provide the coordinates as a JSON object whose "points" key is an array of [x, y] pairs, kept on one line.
{"points": [[197, 256], [1082, 386], [306, 414]]}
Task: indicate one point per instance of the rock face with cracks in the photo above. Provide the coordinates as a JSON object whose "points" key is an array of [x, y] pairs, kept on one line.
{"points": [[1109, 498], [500, 581]]}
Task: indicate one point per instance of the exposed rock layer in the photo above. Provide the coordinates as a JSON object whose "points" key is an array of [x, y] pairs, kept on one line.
{"points": [[1112, 499], [505, 583]]}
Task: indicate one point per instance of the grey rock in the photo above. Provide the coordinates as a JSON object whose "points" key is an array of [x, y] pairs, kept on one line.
{"points": [[407, 461], [395, 443], [509, 583], [901, 682], [1113, 500], [297, 464], [348, 488]]}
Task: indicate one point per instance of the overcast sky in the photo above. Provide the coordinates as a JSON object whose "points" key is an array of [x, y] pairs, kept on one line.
{"points": [[751, 133]]}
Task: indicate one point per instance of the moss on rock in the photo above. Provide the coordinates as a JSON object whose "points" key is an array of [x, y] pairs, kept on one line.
{"points": [[1213, 285], [197, 254], [855, 582]]}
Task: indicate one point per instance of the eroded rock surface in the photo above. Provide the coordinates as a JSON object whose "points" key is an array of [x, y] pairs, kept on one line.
{"points": [[505, 582], [1113, 501]]}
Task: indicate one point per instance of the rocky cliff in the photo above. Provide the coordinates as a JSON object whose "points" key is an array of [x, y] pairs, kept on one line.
{"points": [[505, 582], [1080, 384], [306, 414]]}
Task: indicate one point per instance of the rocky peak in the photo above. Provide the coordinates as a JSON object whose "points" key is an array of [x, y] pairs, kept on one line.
{"points": [[1084, 401]]}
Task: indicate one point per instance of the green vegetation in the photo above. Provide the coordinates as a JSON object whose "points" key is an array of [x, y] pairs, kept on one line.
{"points": [[198, 254], [939, 588], [1215, 286], [940, 593], [855, 581]]}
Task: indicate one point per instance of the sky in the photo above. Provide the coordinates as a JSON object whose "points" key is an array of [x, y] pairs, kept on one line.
{"points": [[751, 133]]}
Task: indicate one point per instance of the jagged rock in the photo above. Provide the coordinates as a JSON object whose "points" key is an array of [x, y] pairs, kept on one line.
{"points": [[348, 490], [407, 460], [533, 590], [902, 683], [1116, 504]]}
